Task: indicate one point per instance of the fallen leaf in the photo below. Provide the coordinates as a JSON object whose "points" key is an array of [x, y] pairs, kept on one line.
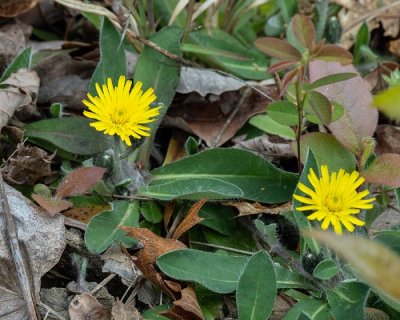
{"points": [[20, 92], [168, 211], [247, 208], [206, 117], [79, 181], [52, 206], [13, 38], [28, 165], [84, 214], [34, 231], [153, 247], [192, 218], [12, 8], [187, 307], [121, 311], [176, 147], [85, 306], [387, 139], [384, 170]]}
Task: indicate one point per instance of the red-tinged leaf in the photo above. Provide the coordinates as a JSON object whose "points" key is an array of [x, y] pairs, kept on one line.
{"points": [[331, 52], [287, 79], [321, 106], [187, 307], [282, 65], [359, 120], [384, 170], [80, 181], [374, 262], [52, 206], [304, 31], [191, 219], [278, 48]]}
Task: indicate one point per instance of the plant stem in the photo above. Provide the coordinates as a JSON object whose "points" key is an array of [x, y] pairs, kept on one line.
{"points": [[117, 171], [300, 120]]}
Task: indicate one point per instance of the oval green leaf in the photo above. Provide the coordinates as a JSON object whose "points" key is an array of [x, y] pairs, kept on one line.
{"points": [[326, 269], [257, 288], [103, 229], [283, 112], [218, 273], [321, 106]]}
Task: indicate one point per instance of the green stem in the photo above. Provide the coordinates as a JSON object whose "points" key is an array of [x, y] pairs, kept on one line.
{"points": [[117, 171]]}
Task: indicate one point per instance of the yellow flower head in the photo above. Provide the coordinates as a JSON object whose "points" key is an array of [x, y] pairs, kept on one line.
{"points": [[120, 110], [334, 199]]}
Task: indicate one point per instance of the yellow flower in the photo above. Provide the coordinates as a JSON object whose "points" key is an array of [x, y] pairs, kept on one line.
{"points": [[120, 110], [334, 199]]}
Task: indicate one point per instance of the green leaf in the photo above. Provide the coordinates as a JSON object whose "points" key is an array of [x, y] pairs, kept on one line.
{"points": [[218, 273], [192, 189], [22, 60], [265, 123], [326, 269], [321, 106], [348, 300], [151, 211], [112, 57], [240, 239], [257, 178], [257, 288], [302, 222], [161, 73], [286, 279], [103, 229], [283, 112], [362, 39], [70, 134], [221, 49], [219, 218], [327, 150], [312, 308], [332, 78], [304, 31], [390, 238]]}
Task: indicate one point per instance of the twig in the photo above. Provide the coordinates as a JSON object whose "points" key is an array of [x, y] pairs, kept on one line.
{"points": [[228, 121], [102, 284], [50, 310], [22, 273]]}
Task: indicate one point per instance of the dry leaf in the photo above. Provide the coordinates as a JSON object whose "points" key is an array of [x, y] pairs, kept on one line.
{"points": [[206, 117], [187, 307], [85, 306], [84, 214], [191, 219], [51, 205], [79, 181], [12, 8], [121, 311], [246, 208], [176, 147], [21, 92], [28, 165], [34, 231], [153, 247], [168, 211]]}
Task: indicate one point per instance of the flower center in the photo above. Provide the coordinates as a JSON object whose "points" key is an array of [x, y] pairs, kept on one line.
{"points": [[119, 117], [334, 203]]}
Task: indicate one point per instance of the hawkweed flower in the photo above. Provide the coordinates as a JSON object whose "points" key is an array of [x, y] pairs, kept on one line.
{"points": [[122, 110], [334, 199]]}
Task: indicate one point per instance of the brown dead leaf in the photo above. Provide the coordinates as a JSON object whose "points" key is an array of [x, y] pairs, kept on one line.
{"points": [[191, 219], [28, 165], [387, 139], [187, 307], [205, 117], [121, 311], [12, 8], [375, 77], [13, 38], [79, 181], [153, 247], [85, 306], [394, 47], [84, 214], [176, 147], [168, 211], [19, 96], [51, 205], [246, 208]]}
